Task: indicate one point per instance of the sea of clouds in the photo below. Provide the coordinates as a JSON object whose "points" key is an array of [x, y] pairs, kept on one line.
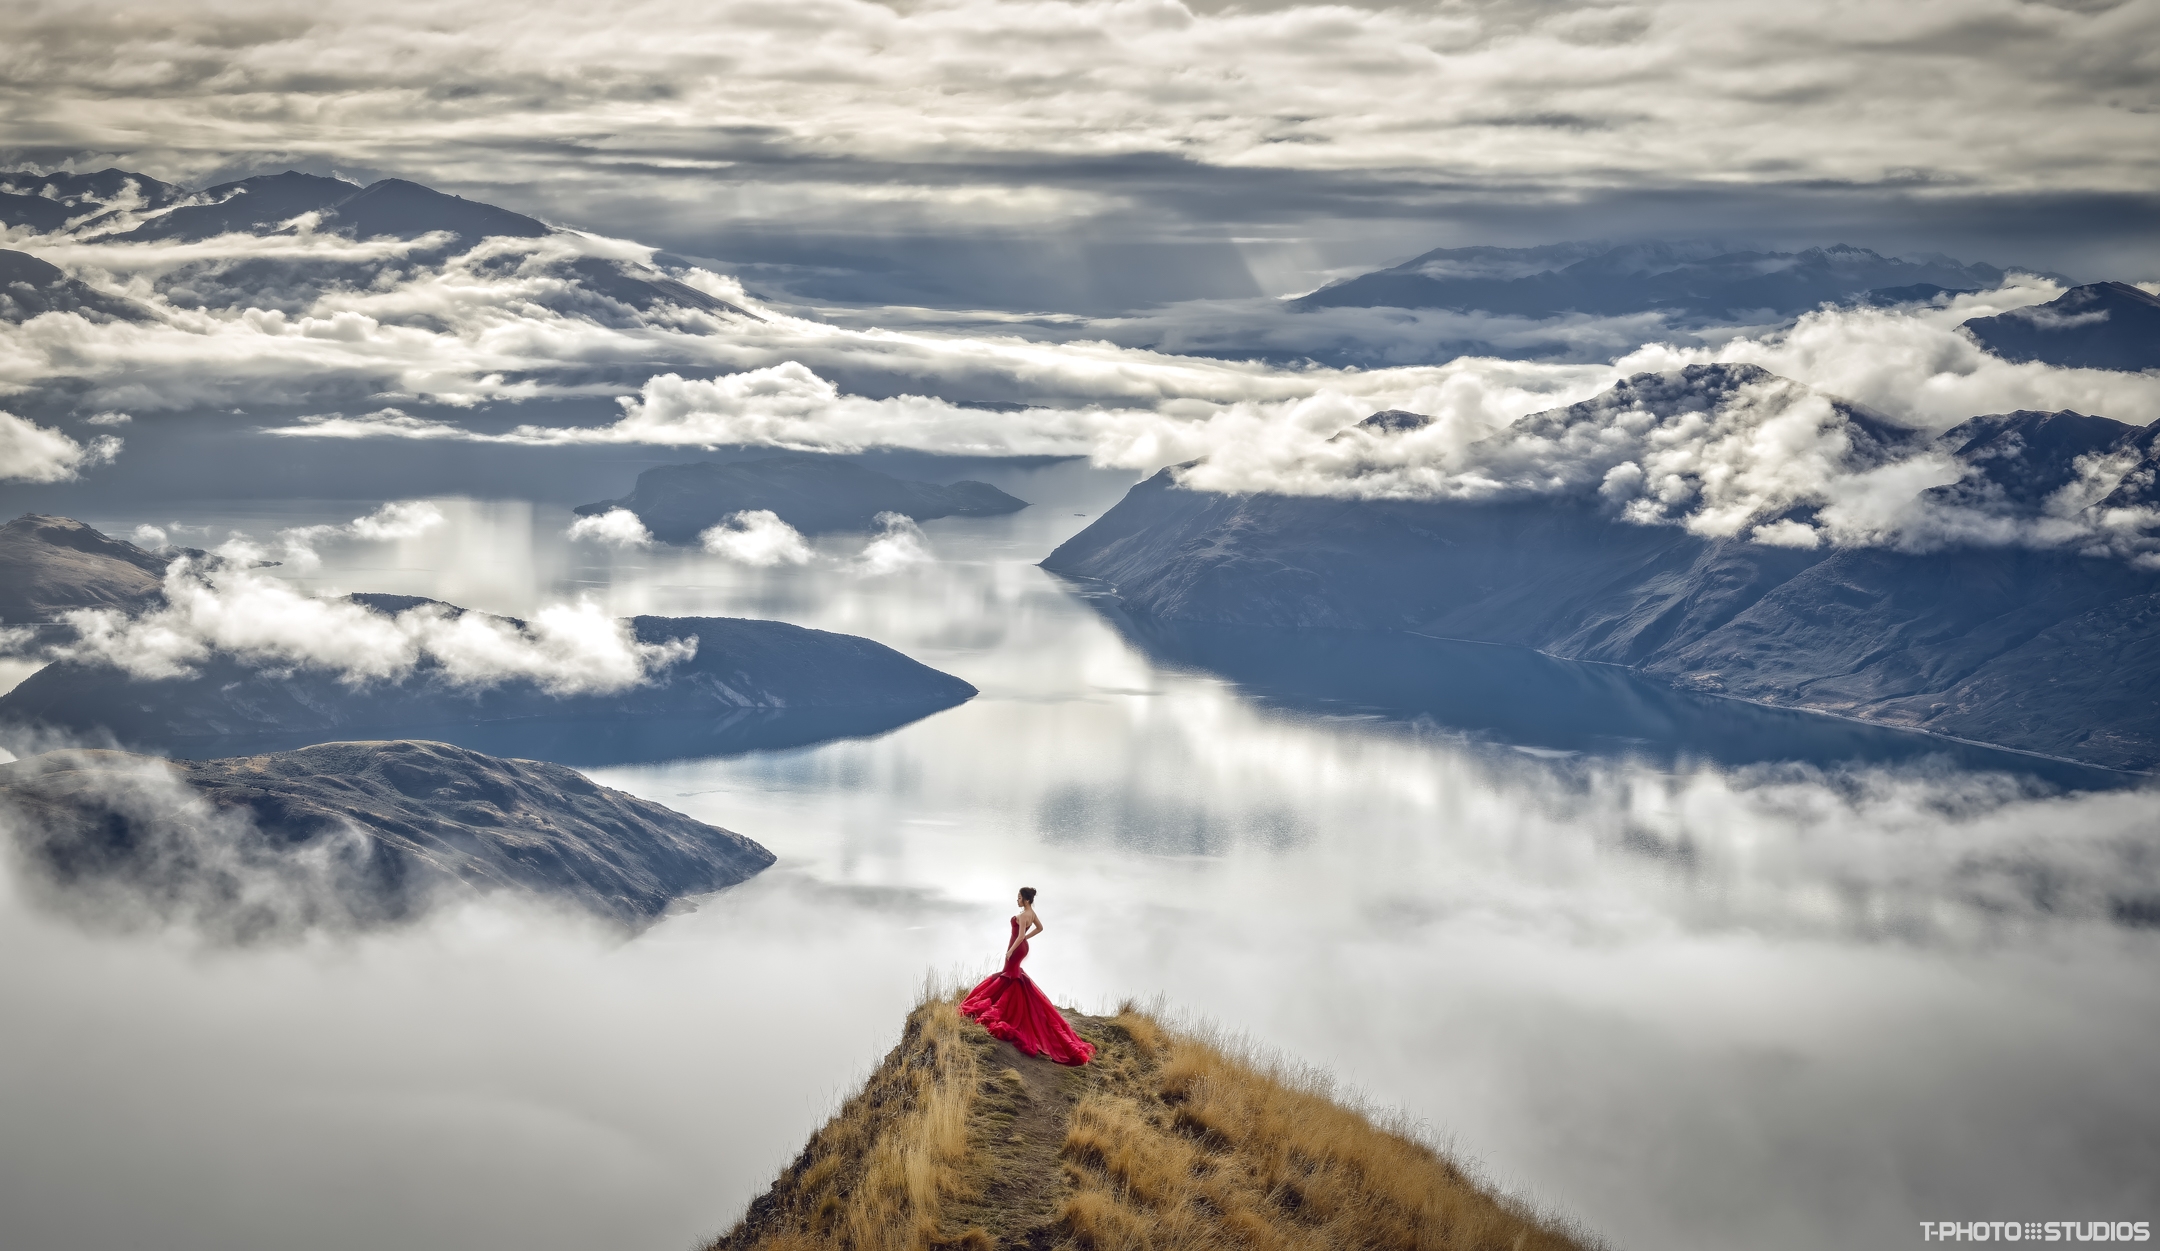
{"points": [[505, 322]]}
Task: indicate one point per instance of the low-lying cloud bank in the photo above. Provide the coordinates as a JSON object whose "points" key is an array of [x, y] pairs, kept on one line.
{"points": [[1723, 461], [219, 605], [493, 325], [760, 539]]}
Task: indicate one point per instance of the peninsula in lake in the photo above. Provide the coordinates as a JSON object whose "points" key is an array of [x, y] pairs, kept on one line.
{"points": [[814, 494], [349, 835], [729, 684]]}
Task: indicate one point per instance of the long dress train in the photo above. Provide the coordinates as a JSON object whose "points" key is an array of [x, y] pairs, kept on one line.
{"points": [[1010, 1006]]}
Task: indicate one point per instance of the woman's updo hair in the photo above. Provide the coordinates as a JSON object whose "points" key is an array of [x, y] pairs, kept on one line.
{"points": [[1027, 894]]}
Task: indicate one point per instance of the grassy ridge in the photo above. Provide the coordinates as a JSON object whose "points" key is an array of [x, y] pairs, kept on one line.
{"points": [[1168, 1140]]}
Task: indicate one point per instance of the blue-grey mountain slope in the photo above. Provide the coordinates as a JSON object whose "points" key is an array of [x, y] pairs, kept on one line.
{"points": [[30, 287], [1691, 281], [2106, 325], [603, 288], [48, 202], [2039, 649], [348, 835]]}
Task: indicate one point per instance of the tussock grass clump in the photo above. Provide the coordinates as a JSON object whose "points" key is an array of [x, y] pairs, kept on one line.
{"points": [[1170, 1139]]}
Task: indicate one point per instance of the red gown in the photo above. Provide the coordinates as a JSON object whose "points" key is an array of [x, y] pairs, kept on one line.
{"points": [[1009, 1005]]}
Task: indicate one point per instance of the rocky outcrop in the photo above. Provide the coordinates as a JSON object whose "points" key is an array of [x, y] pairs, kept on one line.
{"points": [[350, 835], [814, 494]]}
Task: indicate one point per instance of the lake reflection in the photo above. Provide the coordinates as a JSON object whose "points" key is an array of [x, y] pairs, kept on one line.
{"points": [[1683, 972]]}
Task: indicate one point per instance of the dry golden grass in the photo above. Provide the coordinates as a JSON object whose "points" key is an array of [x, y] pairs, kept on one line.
{"points": [[1192, 1144], [1169, 1140], [878, 1175]]}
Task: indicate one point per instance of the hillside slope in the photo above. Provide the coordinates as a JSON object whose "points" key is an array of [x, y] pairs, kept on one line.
{"points": [[2043, 649], [1165, 1141], [351, 835], [2105, 325], [49, 565]]}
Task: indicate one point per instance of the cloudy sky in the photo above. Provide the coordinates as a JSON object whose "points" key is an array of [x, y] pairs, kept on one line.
{"points": [[1026, 154]]}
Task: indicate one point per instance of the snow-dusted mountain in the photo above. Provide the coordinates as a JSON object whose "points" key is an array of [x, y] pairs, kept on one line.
{"points": [[119, 208]]}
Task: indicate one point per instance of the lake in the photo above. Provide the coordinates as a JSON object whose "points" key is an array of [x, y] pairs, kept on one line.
{"points": [[1695, 974]]}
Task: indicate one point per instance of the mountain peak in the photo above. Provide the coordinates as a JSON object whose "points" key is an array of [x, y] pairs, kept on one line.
{"points": [[408, 210], [960, 1141]]}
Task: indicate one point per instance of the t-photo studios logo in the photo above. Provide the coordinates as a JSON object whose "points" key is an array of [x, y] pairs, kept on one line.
{"points": [[2036, 1231]]}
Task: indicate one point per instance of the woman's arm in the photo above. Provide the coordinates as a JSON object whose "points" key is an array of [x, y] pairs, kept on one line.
{"points": [[1030, 926]]}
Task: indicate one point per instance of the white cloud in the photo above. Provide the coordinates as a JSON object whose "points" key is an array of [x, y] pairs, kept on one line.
{"points": [[1992, 95], [756, 537], [33, 453], [1913, 364], [231, 609], [482, 328], [399, 519], [899, 544], [617, 527]]}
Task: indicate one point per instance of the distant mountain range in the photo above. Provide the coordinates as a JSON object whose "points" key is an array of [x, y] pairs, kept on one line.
{"points": [[2107, 325], [115, 206], [1696, 281], [2043, 649], [48, 202], [30, 287]]}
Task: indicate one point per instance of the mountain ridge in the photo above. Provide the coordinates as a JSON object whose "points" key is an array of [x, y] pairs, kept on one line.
{"points": [[354, 833], [387, 208], [2102, 325], [2034, 649], [1697, 280], [959, 1142]]}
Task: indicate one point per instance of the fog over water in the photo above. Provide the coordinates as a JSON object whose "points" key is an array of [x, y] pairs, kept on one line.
{"points": [[1782, 1000]]}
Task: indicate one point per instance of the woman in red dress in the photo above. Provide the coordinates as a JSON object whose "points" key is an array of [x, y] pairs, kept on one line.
{"points": [[1008, 1004]]}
